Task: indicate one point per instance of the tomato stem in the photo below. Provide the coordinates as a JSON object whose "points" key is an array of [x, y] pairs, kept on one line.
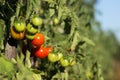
{"points": [[18, 7]]}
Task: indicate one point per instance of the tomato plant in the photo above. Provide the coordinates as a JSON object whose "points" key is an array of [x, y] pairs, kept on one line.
{"points": [[65, 25], [38, 39]]}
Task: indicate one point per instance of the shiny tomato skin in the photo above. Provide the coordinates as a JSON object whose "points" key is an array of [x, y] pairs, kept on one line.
{"points": [[73, 62], [64, 62], [30, 29], [60, 55], [36, 21], [49, 49], [30, 36], [52, 57], [19, 26], [38, 40], [41, 52], [56, 21]]}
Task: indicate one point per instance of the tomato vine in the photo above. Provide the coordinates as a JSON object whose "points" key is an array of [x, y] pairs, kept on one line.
{"points": [[50, 39]]}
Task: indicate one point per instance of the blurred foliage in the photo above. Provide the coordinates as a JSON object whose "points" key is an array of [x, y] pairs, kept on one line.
{"points": [[106, 51]]}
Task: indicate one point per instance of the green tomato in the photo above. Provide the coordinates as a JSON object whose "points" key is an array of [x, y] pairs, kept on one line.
{"points": [[56, 21], [89, 74], [19, 26], [64, 62], [36, 21], [30, 29], [59, 55], [29, 36], [72, 63], [52, 57]]}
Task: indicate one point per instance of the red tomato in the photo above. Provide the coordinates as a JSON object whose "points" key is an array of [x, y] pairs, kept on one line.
{"points": [[49, 49], [38, 40], [41, 52]]}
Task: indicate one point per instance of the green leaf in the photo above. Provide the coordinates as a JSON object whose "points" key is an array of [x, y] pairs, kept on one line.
{"points": [[37, 76], [27, 59], [2, 24], [88, 41], [6, 66], [51, 12], [59, 12], [75, 41]]}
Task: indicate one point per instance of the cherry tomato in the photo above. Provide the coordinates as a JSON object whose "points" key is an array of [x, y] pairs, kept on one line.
{"points": [[19, 26], [30, 36], [30, 29], [60, 55], [56, 21], [38, 40], [52, 57], [49, 49], [72, 61], [17, 35], [36, 21], [41, 52], [64, 62]]}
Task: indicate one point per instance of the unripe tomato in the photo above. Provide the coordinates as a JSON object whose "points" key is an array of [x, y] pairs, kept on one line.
{"points": [[38, 40], [52, 57], [30, 36], [19, 26], [64, 62], [16, 35], [56, 21], [36, 21], [30, 29], [41, 52], [73, 62], [89, 74], [60, 55]]}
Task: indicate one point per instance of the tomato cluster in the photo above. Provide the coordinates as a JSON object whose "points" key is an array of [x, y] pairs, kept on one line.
{"points": [[32, 27], [42, 52], [63, 60], [29, 31]]}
